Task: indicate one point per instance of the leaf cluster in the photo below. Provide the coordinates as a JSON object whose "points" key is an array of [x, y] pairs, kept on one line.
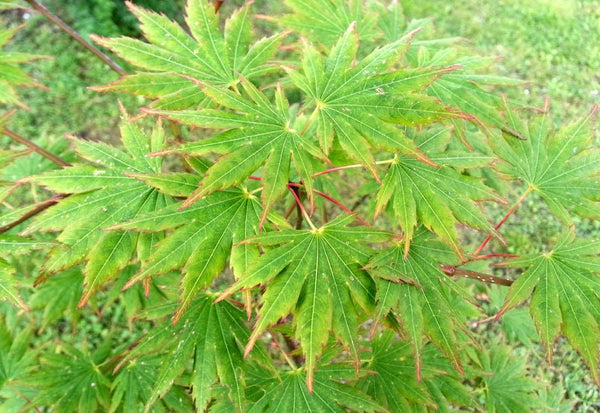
{"points": [[291, 215]]}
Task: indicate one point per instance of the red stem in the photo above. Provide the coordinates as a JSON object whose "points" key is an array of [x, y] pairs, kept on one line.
{"points": [[298, 202], [508, 214], [338, 203]]}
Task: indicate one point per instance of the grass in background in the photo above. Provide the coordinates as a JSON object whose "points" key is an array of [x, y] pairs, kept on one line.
{"points": [[553, 43]]}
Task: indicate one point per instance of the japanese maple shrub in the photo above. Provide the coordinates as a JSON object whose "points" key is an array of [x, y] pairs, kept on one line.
{"points": [[303, 211]]}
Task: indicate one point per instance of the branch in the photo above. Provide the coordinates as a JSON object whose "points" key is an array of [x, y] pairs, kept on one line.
{"points": [[18, 138], [76, 36], [39, 208], [452, 271]]}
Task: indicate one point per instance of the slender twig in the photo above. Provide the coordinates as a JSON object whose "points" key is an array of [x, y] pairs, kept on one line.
{"points": [[482, 321], [304, 213], [341, 168], [508, 214], [288, 360], [39, 208], [453, 271], [76, 36], [299, 216], [338, 203], [16, 137], [359, 201], [488, 256], [310, 120], [26, 399]]}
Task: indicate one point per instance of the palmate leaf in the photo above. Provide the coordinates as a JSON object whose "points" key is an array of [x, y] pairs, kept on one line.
{"points": [[392, 380], [359, 101], [71, 381], [328, 395], [105, 192], [507, 387], [416, 289], [563, 285], [260, 134], [333, 18], [17, 361], [208, 55], [316, 275], [202, 241], [438, 198], [467, 90], [561, 166], [15, 245], [132, 387], [210, 334]]}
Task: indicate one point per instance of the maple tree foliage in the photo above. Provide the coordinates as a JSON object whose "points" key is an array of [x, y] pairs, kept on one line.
{"points": [[290, 213]]}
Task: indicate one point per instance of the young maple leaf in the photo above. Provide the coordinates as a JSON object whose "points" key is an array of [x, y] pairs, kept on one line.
{"points": [[418, 290], [202, 241], [209, 55], [563, 285], [102, 190], [259, 133], [359, 101], [561, 166], [416, 194], [316, 274]]}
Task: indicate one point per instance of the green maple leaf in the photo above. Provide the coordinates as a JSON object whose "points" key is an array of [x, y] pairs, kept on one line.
{"points": [[71, 381], [563, 285], [18, 361], [133, 384], [392, 380], [57, 298], [15, 245], [507, 387], [315, 274], [259, 134], [210, 335], [10, 74], [359, 101], [104, 191], [560, 165], [416, 289], [467, 90], [208, 55], [333, 18], [202, 240], [291, 394], [416, 194]]}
